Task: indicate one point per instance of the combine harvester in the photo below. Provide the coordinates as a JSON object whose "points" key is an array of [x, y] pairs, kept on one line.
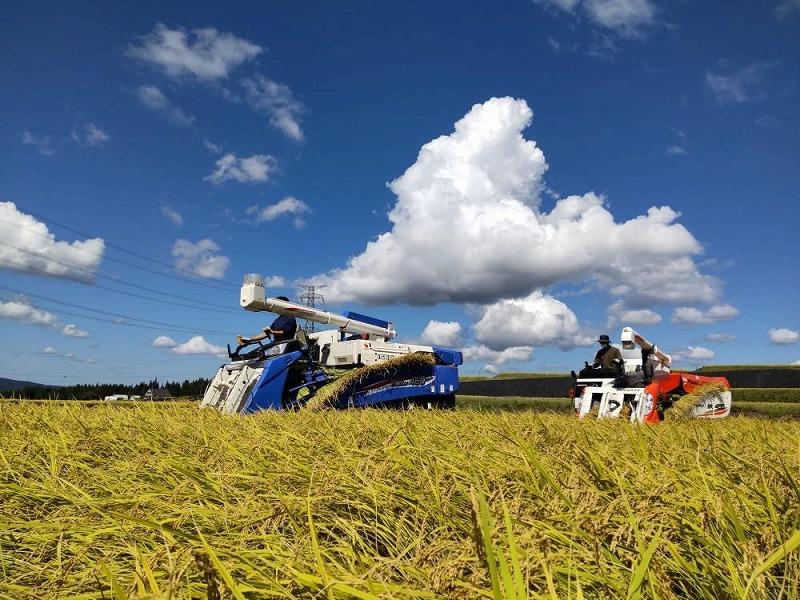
{"points": [[290, 374], [643, 387]]}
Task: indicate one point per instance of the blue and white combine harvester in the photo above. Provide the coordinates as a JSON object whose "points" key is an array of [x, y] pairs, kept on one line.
{"points": [[290, 374]]}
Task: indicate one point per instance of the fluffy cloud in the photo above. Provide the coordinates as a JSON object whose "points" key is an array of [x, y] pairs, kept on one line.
{"points": [[154, 99], [288, 206], [22, 311], [687, 315], [41, 143], [274, 281], [278, 102], [625, 17], [618, 313], [446, 334], [784, 336], [693, 353], [164, 341], [253, 169], [721, 338], [52, 352], [201, 258], [536, 320], [90, 135], [743, 85], [468, 227], [198, 345], [71, 330], [29, 247], [676, 150], [481, 353], [173, 215], [205, 54]]}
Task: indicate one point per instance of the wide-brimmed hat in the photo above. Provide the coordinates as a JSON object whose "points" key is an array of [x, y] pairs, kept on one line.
{"points": [[604, 338]]}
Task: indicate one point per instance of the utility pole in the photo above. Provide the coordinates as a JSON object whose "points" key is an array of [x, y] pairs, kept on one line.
{"points": [[310, 297]]}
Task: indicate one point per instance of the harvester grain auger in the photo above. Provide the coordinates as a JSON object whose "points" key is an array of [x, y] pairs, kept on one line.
{"points": [[643, 388], [354, 365]]}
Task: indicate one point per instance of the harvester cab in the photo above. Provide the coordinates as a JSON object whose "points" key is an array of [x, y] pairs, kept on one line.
{"points": [[643, 387], [353, 365]]}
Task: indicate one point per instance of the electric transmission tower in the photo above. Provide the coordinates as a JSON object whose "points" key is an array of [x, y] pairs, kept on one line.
{"points": [[311, 297]]}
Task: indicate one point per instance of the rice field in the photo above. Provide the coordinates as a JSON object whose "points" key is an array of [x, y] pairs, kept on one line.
{"points": [[153, 501]]}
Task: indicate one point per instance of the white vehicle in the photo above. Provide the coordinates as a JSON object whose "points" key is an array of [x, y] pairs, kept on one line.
{"points": [[643, 387], [287, 374], [115, 397]]}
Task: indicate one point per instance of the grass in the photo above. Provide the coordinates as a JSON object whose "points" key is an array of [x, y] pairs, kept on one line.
{"points": [[169, 501], [766, 394]]}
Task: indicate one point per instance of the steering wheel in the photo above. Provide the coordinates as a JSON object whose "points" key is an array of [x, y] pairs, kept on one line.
{"points": [[235, 355]]}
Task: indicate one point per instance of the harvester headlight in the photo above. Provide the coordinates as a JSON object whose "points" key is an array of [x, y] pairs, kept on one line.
{"points": [[275, 350], [648, 403]]}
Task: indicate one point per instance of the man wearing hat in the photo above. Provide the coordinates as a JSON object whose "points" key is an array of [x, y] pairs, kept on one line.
{"points": [[607, 356]]}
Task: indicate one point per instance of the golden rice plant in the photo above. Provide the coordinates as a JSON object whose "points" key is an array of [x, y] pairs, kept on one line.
{"points": [[166, 501], [347, 381]]}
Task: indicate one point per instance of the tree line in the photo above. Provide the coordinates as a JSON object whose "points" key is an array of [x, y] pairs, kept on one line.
{"points": [[98, 391]]}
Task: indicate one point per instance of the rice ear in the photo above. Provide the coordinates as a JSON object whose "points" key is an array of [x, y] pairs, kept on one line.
{"points": [[329, 395]]}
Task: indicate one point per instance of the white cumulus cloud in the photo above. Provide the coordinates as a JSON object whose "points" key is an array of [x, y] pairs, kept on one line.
{"points": [[480, 352], [676, 150], [198, 345], [173, 215], [154, 99], [205, 54], [446, 334], [49, 350], [618, 313], [688, 315], [468, 227], [164, 341], [29, 247], [694, 353], [278, 102], [782, 335], [252, 169], [21, 310], [201, 258], [535, 320], [287, 206]]}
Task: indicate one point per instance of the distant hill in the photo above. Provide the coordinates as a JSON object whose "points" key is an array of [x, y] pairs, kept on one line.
{"points": [[12, 385]]}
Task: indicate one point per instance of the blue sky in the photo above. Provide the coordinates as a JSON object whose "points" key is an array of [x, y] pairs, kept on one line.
{"points": [[265, 136]]}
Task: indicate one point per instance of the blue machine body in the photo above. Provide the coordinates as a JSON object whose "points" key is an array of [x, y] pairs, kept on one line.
{"points": [[270, 391]]}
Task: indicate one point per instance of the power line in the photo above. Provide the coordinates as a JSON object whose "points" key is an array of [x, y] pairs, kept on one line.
{"points": [[118, 247], [60, 311], [113, 314], [117, 280], [227, 287]]}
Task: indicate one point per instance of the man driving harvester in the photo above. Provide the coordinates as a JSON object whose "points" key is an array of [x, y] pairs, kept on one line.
{"points": [[283, 328], [608, 357]]}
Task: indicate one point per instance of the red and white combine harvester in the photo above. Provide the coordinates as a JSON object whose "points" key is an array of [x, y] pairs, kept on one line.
{"points": [[643, 387]]}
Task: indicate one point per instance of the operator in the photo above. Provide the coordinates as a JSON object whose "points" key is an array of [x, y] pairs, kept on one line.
{"points": [[283, 328], [608, 356]]}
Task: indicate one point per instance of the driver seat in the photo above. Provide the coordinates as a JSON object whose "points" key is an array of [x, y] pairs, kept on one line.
{"points": [[302, 337]]}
